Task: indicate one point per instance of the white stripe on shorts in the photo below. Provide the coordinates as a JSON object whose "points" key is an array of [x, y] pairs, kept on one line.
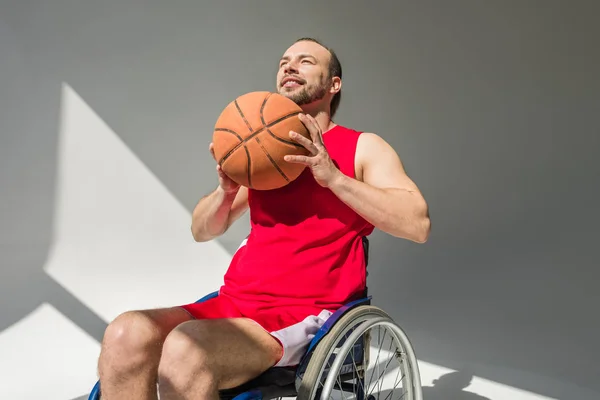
{"points": [[296, 338]]}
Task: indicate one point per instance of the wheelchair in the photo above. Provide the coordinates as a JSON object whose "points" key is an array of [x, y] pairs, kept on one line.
{"points": [[337, 361]]}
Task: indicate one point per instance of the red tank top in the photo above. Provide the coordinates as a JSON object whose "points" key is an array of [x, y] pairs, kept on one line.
{"points": [[305, 245]]}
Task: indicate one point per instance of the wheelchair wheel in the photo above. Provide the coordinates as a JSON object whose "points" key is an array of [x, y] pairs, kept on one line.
{"points": [[353, 359]]}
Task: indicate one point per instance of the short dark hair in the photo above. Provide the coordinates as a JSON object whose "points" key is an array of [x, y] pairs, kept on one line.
{"points": [[335, 69]]}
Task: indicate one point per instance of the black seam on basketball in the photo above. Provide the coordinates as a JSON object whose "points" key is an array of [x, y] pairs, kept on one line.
{"points": [[262, 119], [283, 140], [252, 135], [230, 131], [243, 116], [262, 109], [278, 120], [249, 167], [272, 161]]}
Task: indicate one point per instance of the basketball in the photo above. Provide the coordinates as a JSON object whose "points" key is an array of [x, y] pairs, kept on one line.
{"points": [[251, 137]]}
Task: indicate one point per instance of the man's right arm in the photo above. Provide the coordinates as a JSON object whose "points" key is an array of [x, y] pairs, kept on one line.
{"points": [[215, 213]]}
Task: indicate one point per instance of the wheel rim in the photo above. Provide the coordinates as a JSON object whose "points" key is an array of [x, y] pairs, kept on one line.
{"points": [[368, 381]]}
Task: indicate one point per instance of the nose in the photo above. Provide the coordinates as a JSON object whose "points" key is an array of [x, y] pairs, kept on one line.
{"points": [[290, 68]]}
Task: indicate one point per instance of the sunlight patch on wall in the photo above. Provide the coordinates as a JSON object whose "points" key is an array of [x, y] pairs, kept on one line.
{"points": [[121, 240]]}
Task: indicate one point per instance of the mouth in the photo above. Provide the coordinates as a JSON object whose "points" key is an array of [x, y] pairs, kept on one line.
{"points": [[291, 82]]}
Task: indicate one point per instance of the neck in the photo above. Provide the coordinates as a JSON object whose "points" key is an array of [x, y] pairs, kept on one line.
{"points": [[322, 117]]}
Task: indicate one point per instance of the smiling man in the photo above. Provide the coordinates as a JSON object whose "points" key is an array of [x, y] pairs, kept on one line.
{"points": [[302, 260]]}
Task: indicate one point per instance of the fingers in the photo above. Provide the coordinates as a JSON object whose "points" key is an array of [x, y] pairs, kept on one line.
{"points": [[224, 180], [312, 126], [221, 174], [310, 146], [314, 147], [297, 159]]}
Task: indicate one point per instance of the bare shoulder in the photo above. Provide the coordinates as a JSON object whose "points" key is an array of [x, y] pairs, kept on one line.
{"points": [[379, 164], [371, 149], [369, 142]]}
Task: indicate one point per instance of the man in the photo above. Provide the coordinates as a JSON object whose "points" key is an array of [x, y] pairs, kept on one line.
{"points": [[302, 260]]}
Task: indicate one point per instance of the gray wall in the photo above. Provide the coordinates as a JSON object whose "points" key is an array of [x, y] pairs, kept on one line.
{"points": [[492, 105]]}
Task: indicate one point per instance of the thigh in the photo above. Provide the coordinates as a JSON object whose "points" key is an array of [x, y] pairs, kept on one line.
{"points": [[235, 349]]}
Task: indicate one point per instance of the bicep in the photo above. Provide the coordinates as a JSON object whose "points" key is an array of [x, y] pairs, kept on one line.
{"points": [[380, 164]]}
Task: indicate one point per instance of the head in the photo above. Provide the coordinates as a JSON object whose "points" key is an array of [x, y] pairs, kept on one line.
{"points": [[311, 75]]}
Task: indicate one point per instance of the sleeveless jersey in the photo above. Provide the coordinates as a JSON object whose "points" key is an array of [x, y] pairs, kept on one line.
{"points": [[305, 245]]}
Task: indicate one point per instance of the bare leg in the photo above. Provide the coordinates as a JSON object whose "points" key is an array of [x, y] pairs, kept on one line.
{"points": [[131, 350], [201, 357]]}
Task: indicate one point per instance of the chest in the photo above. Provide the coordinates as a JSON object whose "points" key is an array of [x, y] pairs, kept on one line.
{"points": [[304, 199]]}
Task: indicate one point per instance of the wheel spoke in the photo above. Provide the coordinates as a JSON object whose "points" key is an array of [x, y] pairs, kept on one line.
{"points": [[345, 352]]}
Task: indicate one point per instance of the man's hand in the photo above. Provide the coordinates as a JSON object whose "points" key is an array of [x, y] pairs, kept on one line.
{"points": [[319, 162], [225, 182]]}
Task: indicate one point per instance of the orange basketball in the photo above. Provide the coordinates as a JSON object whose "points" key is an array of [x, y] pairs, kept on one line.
{"points": [[251, 137]]}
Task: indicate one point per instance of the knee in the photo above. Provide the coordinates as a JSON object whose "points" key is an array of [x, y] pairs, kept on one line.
{"points": [[133, 338], [185, 360]]}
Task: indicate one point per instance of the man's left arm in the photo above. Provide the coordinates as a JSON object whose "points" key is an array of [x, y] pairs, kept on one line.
{"points": [[386, 197]]}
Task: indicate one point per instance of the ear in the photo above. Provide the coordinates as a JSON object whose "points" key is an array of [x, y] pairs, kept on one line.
{"points": [[336, 85]]}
